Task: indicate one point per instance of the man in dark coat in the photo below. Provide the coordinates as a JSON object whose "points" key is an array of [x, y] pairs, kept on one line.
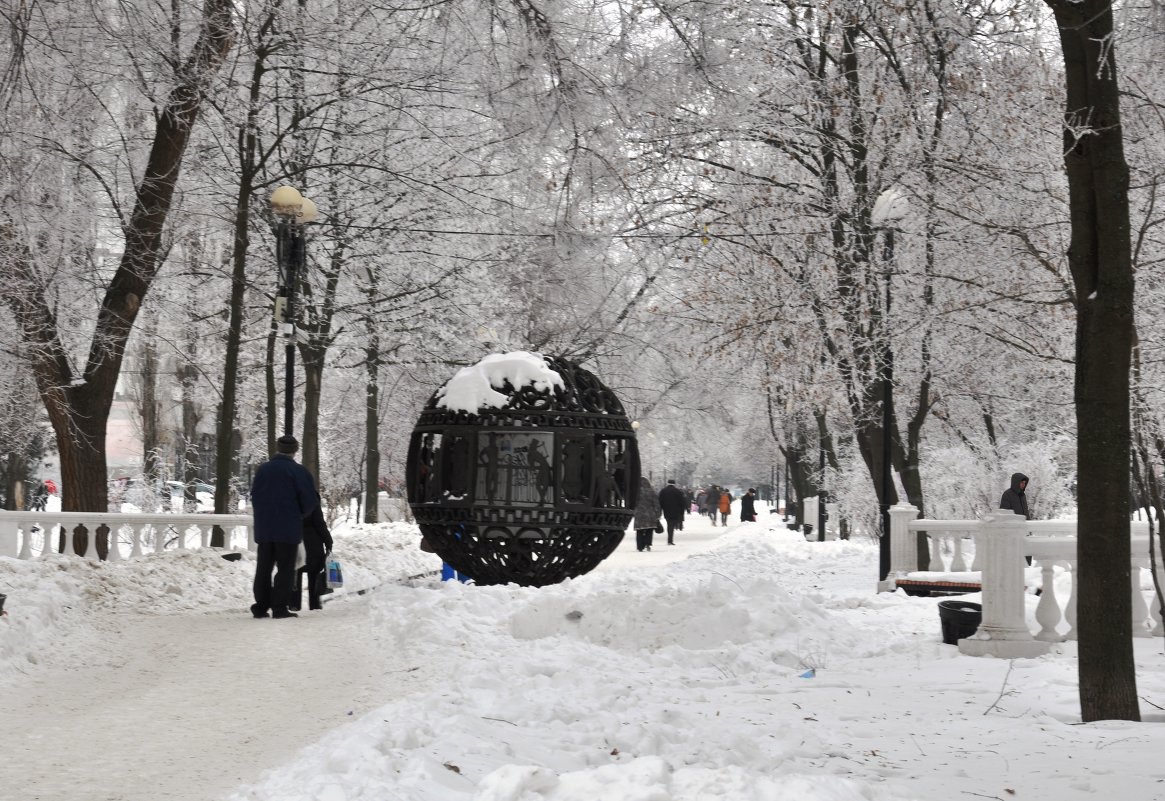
{"points": [[674, 505], [1015, 498], [283, 494], [748, 506]]}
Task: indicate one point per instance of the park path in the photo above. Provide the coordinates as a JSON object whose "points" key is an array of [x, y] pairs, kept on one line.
{"points": [[187, 708]]}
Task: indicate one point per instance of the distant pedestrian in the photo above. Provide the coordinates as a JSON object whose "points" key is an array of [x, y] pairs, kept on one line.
{"points": [[748, 506], [40, 497], [646, 516], [725, 506], [673, 504], [283, 495], [712, 502], [1015, 497]]}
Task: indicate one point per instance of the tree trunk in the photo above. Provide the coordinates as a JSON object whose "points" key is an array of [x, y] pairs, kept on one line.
{"points": [[372, 425], [151, 441], [313, 379], [1101, 262], [224, 440]]}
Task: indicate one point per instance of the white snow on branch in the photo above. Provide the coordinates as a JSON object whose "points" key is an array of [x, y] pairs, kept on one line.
{"points": [[473, 387]]}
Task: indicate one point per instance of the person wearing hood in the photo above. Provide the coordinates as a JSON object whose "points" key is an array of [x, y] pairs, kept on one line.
{"points": [[1015, 498], [646, 516]]}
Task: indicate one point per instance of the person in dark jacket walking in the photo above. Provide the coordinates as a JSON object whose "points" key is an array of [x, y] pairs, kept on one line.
{"points": [[1015, 498], [283, 494], [317, 544], [646, 515], [712, 499], [748, 506], [674, 504]]}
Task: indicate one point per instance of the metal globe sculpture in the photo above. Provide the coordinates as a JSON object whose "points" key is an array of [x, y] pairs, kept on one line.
{"points": [[523, 469]]}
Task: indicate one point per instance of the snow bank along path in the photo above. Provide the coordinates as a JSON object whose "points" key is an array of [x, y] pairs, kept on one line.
{"points": [[189, 704]]}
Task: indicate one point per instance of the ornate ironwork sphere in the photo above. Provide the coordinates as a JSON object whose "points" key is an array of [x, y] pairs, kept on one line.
{"points": [[533, 485]]}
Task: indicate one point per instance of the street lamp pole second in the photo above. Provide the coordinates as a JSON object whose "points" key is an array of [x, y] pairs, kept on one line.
{"points": [[292, 212], [890, 207]]}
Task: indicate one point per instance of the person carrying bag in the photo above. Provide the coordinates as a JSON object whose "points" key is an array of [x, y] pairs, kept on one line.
{"points": [[317, 545]]}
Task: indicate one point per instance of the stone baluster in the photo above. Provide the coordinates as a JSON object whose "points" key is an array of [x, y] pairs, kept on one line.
{"points": [[1003, 632], [1140, 608], [113, 536], [1048, 610], [25, 539], [958, 563], [50, 533], [936, 553], [204, 536], [90, 541], [136, 540], [180, 530], [159, 537]]}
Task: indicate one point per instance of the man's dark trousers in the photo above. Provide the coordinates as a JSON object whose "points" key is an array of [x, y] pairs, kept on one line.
{"points": [[274, 595]]}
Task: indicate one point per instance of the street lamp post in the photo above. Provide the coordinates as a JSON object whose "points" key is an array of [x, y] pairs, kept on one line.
{"points": [[292, 212], [890, 207]]}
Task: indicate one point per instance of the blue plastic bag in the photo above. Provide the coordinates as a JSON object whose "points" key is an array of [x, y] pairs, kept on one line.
{"points": [[335, 574]]}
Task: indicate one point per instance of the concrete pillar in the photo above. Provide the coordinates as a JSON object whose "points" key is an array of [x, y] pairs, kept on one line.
{"points": [[1003, 632]]}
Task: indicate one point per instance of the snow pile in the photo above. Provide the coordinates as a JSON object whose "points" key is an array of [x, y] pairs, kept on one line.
{"points": [[472, 388], [53, 600]]}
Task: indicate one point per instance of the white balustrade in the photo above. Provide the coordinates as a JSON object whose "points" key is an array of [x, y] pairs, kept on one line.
{"points": [[1001, 540], [26, 525]]}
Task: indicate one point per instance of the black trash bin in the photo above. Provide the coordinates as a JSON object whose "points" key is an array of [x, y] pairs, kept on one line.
{"points": [[959, 619]]}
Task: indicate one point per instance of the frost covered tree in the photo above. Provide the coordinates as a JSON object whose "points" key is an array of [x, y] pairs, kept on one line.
{"points": [[90, 155]]}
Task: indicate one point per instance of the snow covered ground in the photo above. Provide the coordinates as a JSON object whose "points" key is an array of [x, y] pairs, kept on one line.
{"points": [[742, 663]]}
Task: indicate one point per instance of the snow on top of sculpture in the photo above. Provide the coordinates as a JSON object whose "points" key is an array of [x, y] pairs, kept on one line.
{"points": [[472, 388]]}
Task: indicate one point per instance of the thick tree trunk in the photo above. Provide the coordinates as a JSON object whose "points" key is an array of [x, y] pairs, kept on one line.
{"points": [[1101, 262]]}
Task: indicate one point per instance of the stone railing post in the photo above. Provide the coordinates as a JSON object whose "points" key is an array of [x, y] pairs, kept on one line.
{"points": [[1003, 632], [903, 553]]}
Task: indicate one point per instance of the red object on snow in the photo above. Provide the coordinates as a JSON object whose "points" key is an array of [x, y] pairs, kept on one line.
{"points": [[51, 486]]}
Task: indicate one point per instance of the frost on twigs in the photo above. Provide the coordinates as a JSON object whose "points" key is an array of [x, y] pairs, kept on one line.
{"points": [[475, 387]]}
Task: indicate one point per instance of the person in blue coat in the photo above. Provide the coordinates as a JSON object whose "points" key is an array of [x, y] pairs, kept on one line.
{"points": [[283, 494]]}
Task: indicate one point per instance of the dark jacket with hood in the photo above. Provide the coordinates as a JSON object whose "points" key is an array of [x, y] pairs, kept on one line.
{"points": [[1015, 498]]}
